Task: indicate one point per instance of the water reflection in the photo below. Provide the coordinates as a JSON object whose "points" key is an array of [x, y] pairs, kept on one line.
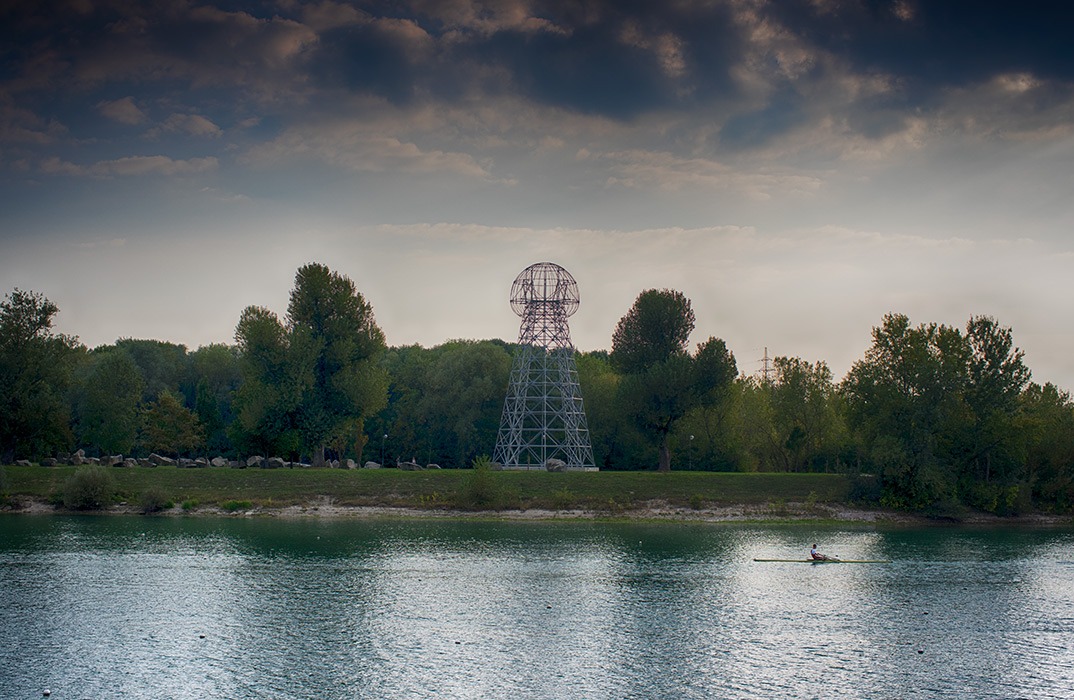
{"points": [[199, 608]]}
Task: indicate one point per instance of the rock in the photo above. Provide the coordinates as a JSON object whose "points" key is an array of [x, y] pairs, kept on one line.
{"points": [[432, 466], [255, 461], [555, 465], [49, 462], [274, 463], [161, 460], [130, 462], [78, 458], [350, 464], [237, 464], [201, 462], [23, 463], [410, 466], [218, 462], [334, 464], [371, 465], [91, 460], [145, 462]]}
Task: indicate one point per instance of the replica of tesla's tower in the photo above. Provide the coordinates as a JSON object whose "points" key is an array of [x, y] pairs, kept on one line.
{"points": [[543, 418]]}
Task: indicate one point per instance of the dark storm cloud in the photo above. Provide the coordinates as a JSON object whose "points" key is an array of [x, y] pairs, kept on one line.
{"points": [[752, 70], [937, 43]]}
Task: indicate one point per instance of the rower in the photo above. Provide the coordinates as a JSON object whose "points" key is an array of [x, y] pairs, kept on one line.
{"points": [[816, 555]]}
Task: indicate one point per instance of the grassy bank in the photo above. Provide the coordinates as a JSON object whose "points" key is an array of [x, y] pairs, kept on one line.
{"points": [[449, 489]]}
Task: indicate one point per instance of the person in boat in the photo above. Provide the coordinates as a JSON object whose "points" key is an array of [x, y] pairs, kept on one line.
{"points": [[816, 555]]}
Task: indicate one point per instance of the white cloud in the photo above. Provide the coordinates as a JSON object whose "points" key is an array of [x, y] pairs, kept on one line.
{"points": [[130, 166], [123, 110], [192, 124], [361, 147]]}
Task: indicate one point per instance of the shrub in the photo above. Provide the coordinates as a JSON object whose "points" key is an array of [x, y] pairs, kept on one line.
{"points": [[190, 504], [154, 500], [480, 490], [232, 506], [89, 488]]}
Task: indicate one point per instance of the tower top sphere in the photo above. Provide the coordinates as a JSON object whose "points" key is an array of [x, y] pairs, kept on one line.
{"points": [[543, 285]]}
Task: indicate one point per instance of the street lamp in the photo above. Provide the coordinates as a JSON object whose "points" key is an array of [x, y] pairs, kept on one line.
{"points": [[691, 452], [383, 440]]}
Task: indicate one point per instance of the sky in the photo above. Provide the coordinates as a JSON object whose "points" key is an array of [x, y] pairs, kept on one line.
{"points": [[797, 168]]}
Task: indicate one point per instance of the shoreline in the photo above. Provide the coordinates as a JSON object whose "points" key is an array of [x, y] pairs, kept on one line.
{"points": [[651, 512]]}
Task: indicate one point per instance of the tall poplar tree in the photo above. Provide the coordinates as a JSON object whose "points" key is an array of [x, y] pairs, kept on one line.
{"points": [[662, 381], [316, 377]]}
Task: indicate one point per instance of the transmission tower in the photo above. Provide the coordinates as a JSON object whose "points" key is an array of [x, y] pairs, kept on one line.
{"points": [[768, 372], [543, 417]]}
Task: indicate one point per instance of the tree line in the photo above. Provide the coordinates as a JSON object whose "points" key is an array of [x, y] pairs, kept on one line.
{"points": [[931, 416]]}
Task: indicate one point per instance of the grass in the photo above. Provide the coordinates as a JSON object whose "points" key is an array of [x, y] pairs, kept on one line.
{"points": [[464, 489]]}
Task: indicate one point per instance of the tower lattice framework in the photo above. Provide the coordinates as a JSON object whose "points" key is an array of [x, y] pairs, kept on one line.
{"points": [[543, 416]]}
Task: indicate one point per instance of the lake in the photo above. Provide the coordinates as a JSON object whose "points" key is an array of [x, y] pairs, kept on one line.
{"points": [[166, 607]]}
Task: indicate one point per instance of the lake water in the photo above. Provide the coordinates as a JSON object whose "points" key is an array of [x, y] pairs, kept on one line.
{"points": [[129, 607]]}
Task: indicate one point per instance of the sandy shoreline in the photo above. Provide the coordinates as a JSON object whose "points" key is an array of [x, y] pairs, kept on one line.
{"points": [[791, 512]]}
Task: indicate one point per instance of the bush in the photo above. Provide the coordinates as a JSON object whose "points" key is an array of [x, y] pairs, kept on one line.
{"points": [[154, 501], [232, 506], [89, 488], [480, 490]]}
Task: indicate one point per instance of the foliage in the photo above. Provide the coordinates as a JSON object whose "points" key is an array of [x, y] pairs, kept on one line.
{"points": [[312, 382], [35, 373], [154, 500], [89, 488], [171, 428], [662, 382], [108, 395]]}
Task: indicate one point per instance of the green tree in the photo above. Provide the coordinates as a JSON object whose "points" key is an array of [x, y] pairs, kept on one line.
{"points": [[108, 401], [35, 374], [806, 422], [1048, 424], [334, 324], [906, 400], [164, 366], [266, 403], [311, 383], [170, 427], [216, 375], [996, 379], [661, 381]]}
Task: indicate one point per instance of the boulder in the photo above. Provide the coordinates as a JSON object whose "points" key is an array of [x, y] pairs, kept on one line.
{"points": [[371, 465], [410, 466], [145, 462], [555, 465], [91, 460], [350, 464], [23, 463], [111, 460], [49, 462], [186, 463], [129, 462], [161, 460], [274, 463], [218, 462], [201, 462], [78, 458], [237, 464], [254, 461], [432, 466]]}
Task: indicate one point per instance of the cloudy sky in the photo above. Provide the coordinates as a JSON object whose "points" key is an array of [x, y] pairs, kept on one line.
{"points": [[797, 168]]}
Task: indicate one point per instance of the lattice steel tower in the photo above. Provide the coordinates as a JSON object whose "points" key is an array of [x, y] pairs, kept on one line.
{"points": [[543, 417]]}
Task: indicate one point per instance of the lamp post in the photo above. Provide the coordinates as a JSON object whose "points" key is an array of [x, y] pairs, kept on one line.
{"points": [[691, 452], [383, 440]]}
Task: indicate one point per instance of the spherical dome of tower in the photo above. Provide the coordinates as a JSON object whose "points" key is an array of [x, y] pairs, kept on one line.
{"points": [[544, 284]]}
